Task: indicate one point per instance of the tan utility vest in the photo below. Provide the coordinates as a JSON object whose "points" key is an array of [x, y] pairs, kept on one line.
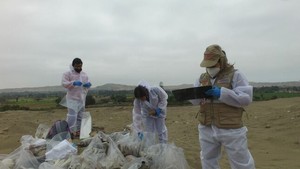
{"points": [[215, 112]]}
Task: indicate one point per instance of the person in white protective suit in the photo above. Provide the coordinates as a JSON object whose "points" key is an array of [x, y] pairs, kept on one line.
{"points": [[77, 84], [150, 111], [221, 116]]}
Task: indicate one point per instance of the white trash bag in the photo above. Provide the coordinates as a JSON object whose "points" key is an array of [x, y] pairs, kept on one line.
{"points": [[86, 125]]}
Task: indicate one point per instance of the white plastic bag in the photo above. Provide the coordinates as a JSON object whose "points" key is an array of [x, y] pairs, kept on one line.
{"points": [[42, 131], [86, 125], [60, 151]]}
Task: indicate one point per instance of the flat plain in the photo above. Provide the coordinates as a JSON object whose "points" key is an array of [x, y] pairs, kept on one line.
{"points": [[273, 130]]}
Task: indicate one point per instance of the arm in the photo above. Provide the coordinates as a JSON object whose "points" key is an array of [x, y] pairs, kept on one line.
{"points": [[241, 93], [137, 116], [162, 98], [85, 80], [66, 81]]}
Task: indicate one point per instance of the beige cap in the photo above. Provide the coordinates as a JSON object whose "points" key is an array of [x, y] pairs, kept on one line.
{"points": [[212, 55]]}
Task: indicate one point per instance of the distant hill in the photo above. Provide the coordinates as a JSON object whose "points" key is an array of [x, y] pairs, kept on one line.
{"points": [[108, 86], [34, 89], [118, 87], [114, 87], [280, 84]]}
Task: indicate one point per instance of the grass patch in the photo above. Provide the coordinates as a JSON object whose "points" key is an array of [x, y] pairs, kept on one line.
{"points": [[273, 95], [31, 103]]}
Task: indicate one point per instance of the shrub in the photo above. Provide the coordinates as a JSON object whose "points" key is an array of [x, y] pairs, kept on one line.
{"points": [[90, 100]]}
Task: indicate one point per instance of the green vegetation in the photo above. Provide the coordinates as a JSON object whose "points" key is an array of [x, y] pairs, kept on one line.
{"points": [[50, 100], [22, 103], [274, 92]]}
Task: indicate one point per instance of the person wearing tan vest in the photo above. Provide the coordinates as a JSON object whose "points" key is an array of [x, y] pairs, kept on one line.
{"points": [[220, 118]]}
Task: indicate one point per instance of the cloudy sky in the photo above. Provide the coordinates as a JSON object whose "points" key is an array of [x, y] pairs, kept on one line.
{"points": [[125, 41]]}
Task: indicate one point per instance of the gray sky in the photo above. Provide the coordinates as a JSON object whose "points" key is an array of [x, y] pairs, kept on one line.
{"points": [[125, 41]]}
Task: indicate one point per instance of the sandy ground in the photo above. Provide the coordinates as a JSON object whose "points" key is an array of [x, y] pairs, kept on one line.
{"points": [[273, 136]]}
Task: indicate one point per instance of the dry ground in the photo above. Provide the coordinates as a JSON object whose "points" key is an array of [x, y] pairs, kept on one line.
{"points": [[274, 130]]}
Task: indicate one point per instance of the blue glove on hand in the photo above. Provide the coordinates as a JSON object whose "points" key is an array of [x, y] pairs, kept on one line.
{"points": [[215, 91], [87, 85], [140, 135], [77, 83], [158, 111]]}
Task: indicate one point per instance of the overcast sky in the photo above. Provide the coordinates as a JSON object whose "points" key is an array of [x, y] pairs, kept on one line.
{"points": [[125, 41]]}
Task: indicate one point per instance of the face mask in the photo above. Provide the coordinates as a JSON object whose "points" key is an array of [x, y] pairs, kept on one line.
{"points": [[213, 71], [78, 70]]}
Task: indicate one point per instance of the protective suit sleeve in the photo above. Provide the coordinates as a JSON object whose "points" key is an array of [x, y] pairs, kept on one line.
{"points": [[241, 93], [137, 116], [66, 81], [163, 98]]}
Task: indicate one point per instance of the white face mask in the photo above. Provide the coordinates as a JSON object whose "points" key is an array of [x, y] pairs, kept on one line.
{"points": [[213, 71]]}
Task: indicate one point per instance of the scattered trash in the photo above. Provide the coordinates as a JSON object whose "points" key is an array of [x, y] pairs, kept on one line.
{"points": [[118, 150]]}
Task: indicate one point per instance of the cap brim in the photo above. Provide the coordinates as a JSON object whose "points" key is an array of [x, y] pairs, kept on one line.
{"points": [[208, 63]]}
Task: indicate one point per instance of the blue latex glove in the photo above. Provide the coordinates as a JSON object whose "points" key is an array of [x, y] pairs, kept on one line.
{"points": [[215, 91], [158, 111], [77, 83], [140, 135], [87, 85]]}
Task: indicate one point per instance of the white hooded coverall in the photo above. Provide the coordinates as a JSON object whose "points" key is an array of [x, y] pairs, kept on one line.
{"points": [[75, 98], [142, 121], [234, 140]]}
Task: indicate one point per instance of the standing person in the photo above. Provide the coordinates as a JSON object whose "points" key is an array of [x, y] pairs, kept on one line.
{"points": [[150, 111], [77, 84], [221, 117]]}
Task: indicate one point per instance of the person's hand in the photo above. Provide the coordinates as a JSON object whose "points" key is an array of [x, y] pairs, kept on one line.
{"points": [[140, 135], [77, 83], [158, 111], [152, 113], [87, 85], [203, 101], [215, 91]]}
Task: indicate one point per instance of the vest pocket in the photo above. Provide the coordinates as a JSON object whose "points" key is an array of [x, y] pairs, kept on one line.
{"points": [[229, 118], [221, 115], [204, 119], [204, 116]]}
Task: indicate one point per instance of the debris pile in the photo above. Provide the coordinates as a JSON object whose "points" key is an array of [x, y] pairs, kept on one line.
{"points": [[118, 150]]}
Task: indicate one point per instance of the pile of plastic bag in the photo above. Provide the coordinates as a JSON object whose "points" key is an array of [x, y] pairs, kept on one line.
{"points": [[118, 150]]}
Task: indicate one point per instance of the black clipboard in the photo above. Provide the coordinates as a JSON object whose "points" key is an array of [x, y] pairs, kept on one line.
{"points": [[191, 93]]}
